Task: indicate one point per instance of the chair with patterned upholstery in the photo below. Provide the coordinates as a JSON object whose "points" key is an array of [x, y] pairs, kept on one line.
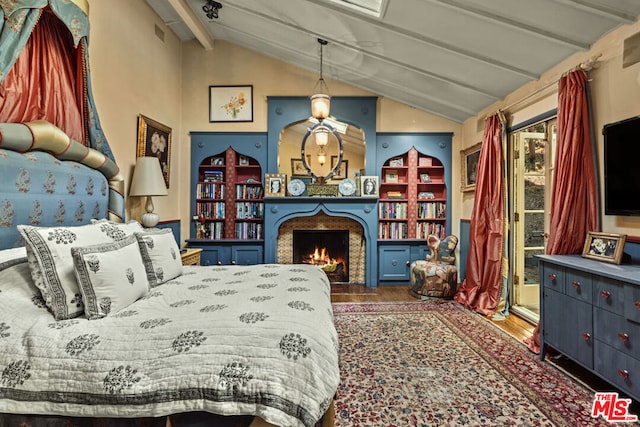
{"points": [[436, 276]]}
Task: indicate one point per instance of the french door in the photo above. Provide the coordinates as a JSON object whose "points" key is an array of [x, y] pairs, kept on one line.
{"points": [[531, 157]]}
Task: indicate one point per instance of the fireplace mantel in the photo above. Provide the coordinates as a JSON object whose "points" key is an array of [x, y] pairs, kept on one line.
{"points": [[361, 209]]}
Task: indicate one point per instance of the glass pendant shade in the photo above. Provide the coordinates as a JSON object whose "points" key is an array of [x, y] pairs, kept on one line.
{"points": [[320, 106], [322, 136], [320, 100], [322, 157]]}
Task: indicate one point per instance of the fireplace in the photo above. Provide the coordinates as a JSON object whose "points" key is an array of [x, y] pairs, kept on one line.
{"points": [[328, 249], [284, 215]]}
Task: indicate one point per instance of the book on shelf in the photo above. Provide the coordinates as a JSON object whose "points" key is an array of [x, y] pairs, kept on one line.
{"points": [[425, 161], [213, 176], [394, 195], [426, 195]]}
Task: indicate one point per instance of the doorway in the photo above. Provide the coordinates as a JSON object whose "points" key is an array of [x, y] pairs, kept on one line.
{"points": [[531, 158]]}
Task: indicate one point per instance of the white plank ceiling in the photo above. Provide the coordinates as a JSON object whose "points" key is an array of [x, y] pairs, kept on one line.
{"points": [[451, 58]]}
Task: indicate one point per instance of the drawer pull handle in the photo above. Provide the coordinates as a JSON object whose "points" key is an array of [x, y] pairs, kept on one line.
{"points": [[637, 304], [623, 337], [605, 294], [575, 284], [586, 336], [623, 373], [552, 277]]}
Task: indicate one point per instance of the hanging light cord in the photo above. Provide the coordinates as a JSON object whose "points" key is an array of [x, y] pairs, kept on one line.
{"points": [[321, 79]]}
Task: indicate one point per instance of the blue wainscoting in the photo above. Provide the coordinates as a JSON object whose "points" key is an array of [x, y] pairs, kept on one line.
{"points": [[463, 243], [174, 225]]}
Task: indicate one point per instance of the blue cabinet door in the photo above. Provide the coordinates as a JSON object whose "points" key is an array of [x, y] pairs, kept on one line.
{"points": [[246, 255], [393, 263]]}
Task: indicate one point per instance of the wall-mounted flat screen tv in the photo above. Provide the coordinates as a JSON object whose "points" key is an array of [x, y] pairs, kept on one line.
{"points": [[622, 167]]}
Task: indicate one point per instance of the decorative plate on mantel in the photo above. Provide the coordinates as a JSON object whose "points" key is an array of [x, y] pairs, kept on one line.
{"points": [[347, 187], [296, 187]]}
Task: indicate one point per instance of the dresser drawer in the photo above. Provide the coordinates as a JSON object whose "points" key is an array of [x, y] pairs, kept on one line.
{"points": [[578, 284], [608, 294], [620, 369], [552, 277], [617, 332], [567, 325], [632, 302]]}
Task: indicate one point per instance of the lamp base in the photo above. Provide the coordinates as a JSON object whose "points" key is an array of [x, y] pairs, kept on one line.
{"points": [[149, 219]]}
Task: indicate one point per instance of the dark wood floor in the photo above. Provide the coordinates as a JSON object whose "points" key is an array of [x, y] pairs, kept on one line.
{"points": [[514, 325]]}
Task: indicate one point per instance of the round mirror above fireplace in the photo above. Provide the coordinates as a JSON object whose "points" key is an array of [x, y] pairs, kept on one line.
{"points": [[312, 164]]}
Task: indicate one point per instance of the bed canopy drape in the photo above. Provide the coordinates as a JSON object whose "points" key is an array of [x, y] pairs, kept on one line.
{"points": [[45, 84], [44, 68]]}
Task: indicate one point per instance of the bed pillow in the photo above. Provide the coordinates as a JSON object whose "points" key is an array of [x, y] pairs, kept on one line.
{"points": [[163, 253], [51, 263], [12, 256], [112, 275]]}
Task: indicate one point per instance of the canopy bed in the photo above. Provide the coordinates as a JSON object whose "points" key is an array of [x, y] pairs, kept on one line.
{"points": [[233, 340]]}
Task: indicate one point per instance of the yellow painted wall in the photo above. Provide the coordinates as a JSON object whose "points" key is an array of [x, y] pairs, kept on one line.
{"points": [[134, 72], [615, 96]]}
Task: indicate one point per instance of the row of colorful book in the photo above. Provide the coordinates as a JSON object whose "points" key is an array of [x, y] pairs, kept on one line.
{"points": [[210, 191], [210, 210], [392, 210], [249, 210], [392, 230]]}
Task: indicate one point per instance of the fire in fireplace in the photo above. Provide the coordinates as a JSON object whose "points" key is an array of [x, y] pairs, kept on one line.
{"points": [[328, 249]]}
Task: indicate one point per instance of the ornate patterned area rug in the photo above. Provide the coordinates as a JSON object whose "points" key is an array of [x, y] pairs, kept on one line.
{"points": [[434, 363]]}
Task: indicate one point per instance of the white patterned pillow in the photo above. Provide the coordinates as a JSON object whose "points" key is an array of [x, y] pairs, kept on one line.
{"points": [[163, 253], [112, 275], [51, 263]]}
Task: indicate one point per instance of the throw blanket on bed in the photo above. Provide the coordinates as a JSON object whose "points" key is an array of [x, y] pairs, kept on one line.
{"points": [[255, 340]]}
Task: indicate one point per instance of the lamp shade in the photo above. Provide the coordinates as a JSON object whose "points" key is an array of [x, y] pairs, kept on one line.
{"points": [[147, 178], [320, 106]]}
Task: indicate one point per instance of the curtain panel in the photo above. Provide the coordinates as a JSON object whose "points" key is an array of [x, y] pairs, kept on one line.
{"points": [[574, 197], [43, 68], [482, 287]]}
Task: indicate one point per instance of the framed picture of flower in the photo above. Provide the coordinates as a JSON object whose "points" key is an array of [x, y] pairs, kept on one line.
{"points": [[154, 140], [231, 103]]}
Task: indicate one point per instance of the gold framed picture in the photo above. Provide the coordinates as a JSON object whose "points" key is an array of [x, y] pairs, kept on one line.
{"points": [[605, 247], [469, 168], [297, 168], [154, 140], [275, 184]]}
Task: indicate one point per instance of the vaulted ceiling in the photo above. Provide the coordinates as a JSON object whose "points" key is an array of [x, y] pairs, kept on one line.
{"points": [[451, 58]]}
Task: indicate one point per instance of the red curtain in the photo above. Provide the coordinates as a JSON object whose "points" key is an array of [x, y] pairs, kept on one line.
{"points": [[574, 209], [47, 81], [482, 286], [574, 206]]}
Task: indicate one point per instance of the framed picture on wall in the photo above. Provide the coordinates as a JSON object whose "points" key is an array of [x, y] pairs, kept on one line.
{"points": [[297, 168], [275, 184], [605, 247], [343, 170], [469, 161], [231, 103], [154, 140], [369, 185]]}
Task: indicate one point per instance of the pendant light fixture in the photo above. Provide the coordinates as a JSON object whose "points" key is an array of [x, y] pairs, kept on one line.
{"points": [[320, 100]]}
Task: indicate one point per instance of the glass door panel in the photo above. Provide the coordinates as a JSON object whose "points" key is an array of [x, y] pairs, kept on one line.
{"points": [[531, 153]]}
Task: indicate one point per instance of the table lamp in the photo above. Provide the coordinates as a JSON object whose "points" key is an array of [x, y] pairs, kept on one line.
{"points": [[148, 181]]}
